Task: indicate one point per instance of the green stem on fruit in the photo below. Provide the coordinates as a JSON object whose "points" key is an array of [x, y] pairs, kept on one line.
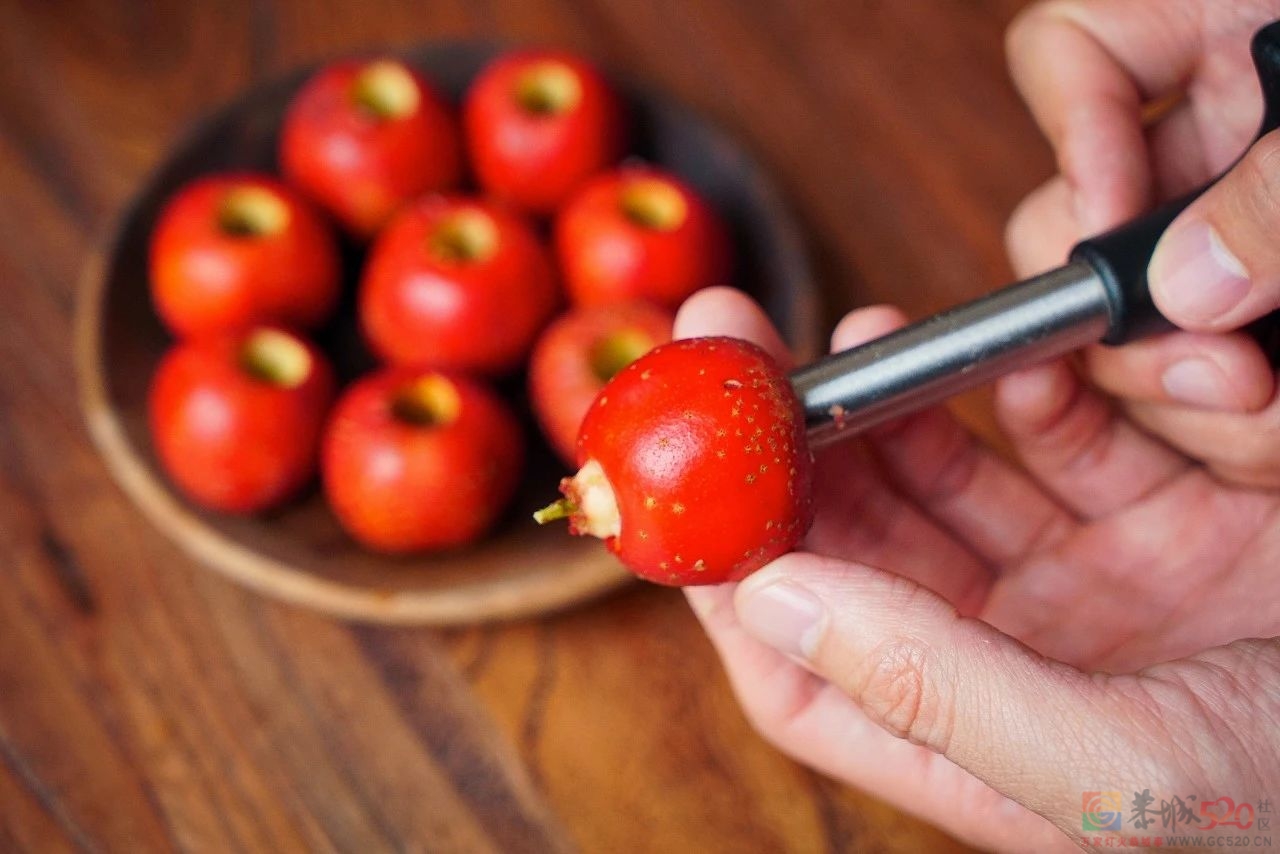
{"points": [[562, 509]]}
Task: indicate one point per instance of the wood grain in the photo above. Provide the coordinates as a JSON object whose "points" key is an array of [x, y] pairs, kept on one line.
{"points": [[148, 706]]}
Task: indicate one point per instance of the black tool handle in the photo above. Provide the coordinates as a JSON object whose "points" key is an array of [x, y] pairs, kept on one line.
{"points": [[1120, 256]]}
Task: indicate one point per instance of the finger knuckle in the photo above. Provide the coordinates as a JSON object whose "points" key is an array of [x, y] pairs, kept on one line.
{"points": [[900, 690], [1113, 369], [1021, 227], [1260, 178], [773, 714], [957, 474], [1260, 452], [1021, 30], [1254, 446], [1025, 30], [1267, 440], [1024, 27], [1042, 221]]}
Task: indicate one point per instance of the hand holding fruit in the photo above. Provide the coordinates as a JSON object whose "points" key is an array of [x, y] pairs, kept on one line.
{"points": [[932, 561], [1117, 552]]}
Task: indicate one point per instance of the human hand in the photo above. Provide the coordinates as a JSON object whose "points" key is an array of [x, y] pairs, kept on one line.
{"points": [[1117, 553], [1115, 550], [1142, 101]]}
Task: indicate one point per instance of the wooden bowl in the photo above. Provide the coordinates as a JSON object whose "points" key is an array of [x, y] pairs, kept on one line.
{"points": [[299, 553]]}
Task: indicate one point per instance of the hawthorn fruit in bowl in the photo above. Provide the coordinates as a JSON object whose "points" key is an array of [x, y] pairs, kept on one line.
{"points": [[234, 250], [364, 138], [580, 352], [539, 124], [419, 460], [457, 283], [236, 418], [640, 233], [297, 549]]}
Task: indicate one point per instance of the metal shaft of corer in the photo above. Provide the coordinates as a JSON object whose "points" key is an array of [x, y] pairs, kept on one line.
{"points": [[951, 352]]}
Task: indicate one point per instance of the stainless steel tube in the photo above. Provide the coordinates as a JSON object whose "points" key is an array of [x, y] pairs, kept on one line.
{"points": [[951, 352]]}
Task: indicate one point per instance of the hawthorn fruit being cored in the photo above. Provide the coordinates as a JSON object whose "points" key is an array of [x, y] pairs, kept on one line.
{"points": [[694, 467]]}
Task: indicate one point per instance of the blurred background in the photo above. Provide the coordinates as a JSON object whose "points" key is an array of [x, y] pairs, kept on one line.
{"points": [[146, 704]]}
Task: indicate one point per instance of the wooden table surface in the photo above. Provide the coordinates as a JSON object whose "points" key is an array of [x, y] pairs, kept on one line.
{"points": [[146, 704]]}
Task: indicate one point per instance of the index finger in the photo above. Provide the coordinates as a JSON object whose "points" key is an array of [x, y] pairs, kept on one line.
{"points": [[1089, 106], [728, 311]]}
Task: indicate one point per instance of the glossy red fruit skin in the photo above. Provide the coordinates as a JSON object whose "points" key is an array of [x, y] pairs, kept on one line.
{"points": [[205, 280], [417, 309], [359, 167], [703, 443], [534, 162], [562, 381], [228, 441], [605, 257], [397, 487]]}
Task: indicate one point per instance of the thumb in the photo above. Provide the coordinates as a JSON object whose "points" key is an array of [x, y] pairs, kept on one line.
{"points": [[1218, 266], [1038, 731]]}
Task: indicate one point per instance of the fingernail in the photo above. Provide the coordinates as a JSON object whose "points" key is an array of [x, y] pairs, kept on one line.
{"points": [[1198, 382], [1194, 276], [784, 615]]}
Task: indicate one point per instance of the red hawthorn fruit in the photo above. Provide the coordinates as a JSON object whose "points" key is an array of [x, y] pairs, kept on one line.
{"points": [[694, 464], [416, 460], [364, 137], [578, 354], [236, 419], [640, 233], [538, 123], [456, 283], [235, 251]]}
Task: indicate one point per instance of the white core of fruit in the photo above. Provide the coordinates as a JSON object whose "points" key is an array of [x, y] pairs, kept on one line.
{"points": [[597, 506]]}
